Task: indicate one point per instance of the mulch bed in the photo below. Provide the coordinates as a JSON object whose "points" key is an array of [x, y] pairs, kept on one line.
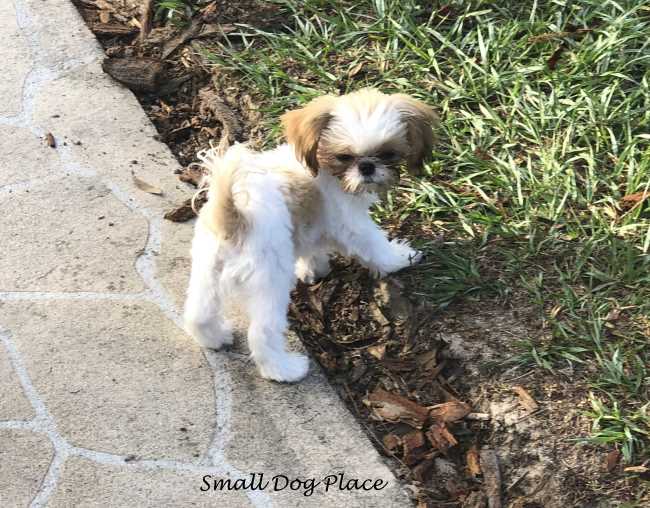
{"points": [[389, 356]]}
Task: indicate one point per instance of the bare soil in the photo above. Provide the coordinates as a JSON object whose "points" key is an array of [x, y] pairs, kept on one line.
{"points": [[380, 345]]}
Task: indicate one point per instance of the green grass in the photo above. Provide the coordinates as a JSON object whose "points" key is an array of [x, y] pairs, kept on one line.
{"points": [[529, 174], [175, 11]]}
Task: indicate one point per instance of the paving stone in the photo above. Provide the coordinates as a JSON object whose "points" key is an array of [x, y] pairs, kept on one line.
{"points": [[115, 136], [88, 484], [307, 433], [15, 58], [69, 235], [13, 403], [58, 48], [117, 377], [24, 459], [173, 263], [27, 157], [116, 374]]}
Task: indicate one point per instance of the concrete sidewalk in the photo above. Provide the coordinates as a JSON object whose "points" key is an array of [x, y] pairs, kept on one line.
{"points": [[103, 399]]}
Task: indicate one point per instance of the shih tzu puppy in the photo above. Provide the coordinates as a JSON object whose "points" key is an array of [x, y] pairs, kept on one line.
{"points": [[278, 215]]}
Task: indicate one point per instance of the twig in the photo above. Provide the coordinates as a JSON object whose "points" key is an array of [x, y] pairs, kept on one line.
{"points": [[147, 19], [492, 476]]}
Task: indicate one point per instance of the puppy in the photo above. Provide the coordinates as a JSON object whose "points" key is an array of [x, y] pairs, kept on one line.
{"points": [[278, 215]]}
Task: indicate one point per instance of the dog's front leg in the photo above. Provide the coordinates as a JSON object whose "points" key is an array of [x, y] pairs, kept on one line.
{"points": [[366, 241]]}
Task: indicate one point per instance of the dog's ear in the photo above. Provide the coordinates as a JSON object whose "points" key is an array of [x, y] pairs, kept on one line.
{"points": [[420, 119], [303, 127]]}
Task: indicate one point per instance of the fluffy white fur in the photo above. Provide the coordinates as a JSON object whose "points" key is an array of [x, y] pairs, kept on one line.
{"points": [[283, 224]]}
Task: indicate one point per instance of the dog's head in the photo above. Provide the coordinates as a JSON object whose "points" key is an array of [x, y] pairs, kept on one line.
{"points": [[362, 138]]}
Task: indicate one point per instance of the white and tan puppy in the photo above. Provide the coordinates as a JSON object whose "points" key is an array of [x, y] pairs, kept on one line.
{"points": [[276, 215]]}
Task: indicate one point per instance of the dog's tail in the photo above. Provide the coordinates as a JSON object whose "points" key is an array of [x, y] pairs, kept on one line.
{"points": [[220, 214]]}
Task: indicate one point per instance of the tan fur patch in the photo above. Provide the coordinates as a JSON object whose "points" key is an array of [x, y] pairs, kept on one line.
{"points": [[303, 128], [220, 214], [420, 120], [302, 197]]}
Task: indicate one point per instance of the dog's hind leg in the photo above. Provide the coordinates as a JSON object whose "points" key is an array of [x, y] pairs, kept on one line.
{"points": [[267, 294], [203, 317]]}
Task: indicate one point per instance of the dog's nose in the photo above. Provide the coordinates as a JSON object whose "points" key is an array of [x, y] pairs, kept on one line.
{"points": [[366, 168]]}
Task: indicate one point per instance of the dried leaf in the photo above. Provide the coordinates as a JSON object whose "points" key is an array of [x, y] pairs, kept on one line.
{"points": [[395, 306], [525, 399], [197, 29], [377, 351], [422, 471], [555, 57], [192, 174], [181, 213], [637, 469], [104, 5], [144, 186], [473, 462], [395, 408], [104, 16], [355, 70], [49, 139], [391, 442], [414, 447], [440, 437], [557, 35], [449, 411], [612, 461], [637, 197], [377, 314]]}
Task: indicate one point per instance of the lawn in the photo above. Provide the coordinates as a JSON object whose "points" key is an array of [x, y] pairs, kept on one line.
{"points": [[534, 212], [539, 180]]}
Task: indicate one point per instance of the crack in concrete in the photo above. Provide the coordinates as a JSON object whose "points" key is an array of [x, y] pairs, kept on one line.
{"points": [[214, 461]]}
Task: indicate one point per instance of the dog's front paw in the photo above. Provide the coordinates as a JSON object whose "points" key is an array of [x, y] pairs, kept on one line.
{"points": [[284, 367], [402, 255]]}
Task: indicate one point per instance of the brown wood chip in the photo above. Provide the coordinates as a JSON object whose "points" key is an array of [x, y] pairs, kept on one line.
{"points": [[473, 461], [139, 74], [612, 461], [414, 447], [449, 411], [147, 18], [111, 29], [440, 437], [181, 213], [395, 408], [491, 477]]}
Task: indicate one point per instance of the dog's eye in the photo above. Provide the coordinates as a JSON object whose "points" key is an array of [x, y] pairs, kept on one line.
{"points": [[344, 157], [388, 155]]}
